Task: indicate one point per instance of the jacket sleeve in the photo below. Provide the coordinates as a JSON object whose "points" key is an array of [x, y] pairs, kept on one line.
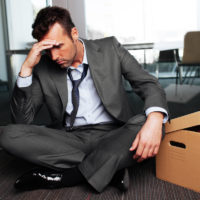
{"points": [[26, 102], [143, 84]]}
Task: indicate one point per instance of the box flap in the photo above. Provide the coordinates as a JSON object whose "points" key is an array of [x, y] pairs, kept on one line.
{"points": [[183, 122]]}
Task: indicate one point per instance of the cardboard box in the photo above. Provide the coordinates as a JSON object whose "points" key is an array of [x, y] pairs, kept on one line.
{"points": [[178, 160]]}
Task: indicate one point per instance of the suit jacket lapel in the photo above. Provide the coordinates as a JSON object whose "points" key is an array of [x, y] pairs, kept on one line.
{"points": [[106, 79], [97, 67], [59, 77]]}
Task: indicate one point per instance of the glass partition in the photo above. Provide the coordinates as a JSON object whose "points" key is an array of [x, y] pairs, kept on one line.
{"points": [[20, 17], [133, 21], [144, 21]]}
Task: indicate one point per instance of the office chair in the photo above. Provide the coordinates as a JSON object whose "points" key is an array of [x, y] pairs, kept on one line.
{"points": [[167, 56], [191, 57]]}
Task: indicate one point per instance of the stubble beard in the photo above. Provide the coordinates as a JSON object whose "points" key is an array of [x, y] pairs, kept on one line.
{"points": [[69, 63]]}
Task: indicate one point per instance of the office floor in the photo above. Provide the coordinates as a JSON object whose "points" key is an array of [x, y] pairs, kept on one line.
{"points": [[144, 185]]}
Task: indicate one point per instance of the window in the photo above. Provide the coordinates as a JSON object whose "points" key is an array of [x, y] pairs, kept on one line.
{"points": [[20, 17], [134, 21]]}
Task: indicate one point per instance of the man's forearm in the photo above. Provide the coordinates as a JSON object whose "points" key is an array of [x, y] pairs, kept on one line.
{"points": [[156, 116], [25, 71]]}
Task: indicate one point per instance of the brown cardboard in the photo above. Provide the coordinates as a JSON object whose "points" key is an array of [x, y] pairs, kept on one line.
{"points": [[180, 165]]}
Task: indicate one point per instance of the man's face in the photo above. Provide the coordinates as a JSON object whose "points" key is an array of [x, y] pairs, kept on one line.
{"points": [[65, 51]]}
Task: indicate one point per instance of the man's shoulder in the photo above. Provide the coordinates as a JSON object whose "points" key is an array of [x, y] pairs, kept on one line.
{"points": [[105, 43], [105, 40]]}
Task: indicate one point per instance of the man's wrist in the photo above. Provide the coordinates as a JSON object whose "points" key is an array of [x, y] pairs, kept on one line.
{"points": [[25, 72], [159, 116], [24, 76], [158, 109]]}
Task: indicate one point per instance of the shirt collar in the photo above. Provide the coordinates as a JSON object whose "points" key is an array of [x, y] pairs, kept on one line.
{"points": [[85, 61]]}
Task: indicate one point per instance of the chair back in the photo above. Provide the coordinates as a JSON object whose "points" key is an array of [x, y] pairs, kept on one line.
{"points": [[168, 56], [191, 50]]}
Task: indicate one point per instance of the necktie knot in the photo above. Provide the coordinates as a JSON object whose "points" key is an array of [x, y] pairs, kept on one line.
{"points": [[84, 73]]}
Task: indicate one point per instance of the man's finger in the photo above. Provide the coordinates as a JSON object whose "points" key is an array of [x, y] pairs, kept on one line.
{"points": [[151, 152], [46, 42], [156, 150], [135, 143], [46, 47], [140, 160], [139, 151], [144, 154]]}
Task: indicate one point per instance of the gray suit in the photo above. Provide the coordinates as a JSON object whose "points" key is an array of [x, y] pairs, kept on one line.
{"points": [[104, 148]]}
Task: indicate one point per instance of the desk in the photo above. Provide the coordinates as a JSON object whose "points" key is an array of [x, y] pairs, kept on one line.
{"points": [[139, 46]]}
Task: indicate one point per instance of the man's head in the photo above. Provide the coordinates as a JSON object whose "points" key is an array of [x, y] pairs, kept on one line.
{"points": [[49, 16], [54, 25]]}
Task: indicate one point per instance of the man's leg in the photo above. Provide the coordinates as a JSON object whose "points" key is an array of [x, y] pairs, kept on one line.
{"points": [[51, 148], [111, 154], [57, 151], [44, 146]]}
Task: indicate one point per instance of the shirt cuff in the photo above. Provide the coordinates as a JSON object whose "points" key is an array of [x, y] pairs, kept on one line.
{"points": [[158, 109], [24, 81]]}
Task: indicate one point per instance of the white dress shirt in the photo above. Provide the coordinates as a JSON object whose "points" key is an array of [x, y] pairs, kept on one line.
{"points": [[91, 109]]}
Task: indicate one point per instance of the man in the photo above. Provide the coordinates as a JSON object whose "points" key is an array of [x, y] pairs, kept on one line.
{"points": [[94, 135]]}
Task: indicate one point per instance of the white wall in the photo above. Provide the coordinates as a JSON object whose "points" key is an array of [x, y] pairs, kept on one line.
{"points": [[77, 11], [60, 3]]}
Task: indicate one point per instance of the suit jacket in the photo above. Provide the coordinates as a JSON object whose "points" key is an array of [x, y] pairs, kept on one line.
{"points": [[108, 62]]}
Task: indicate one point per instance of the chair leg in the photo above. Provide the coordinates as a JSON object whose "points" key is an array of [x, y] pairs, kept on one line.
{"points": [[189, 72], [177, 74], [196, 74], [180, 75], [157, 70]]}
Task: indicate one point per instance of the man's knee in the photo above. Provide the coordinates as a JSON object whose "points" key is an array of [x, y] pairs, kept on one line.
{"points": [[111, 150], [9, 133]]}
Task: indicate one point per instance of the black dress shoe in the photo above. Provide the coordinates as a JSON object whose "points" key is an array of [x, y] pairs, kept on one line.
{"points": [[121, 180], [39, 179]]}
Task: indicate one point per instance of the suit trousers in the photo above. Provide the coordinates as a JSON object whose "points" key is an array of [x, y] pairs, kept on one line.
{"points": [[97, 150]]}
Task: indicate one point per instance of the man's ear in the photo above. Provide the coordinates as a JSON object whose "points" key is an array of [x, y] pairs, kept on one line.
{"points": [[74, 34]]}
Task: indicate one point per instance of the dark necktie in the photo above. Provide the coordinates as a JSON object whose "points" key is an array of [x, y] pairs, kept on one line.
{"points": [[75, 93]]}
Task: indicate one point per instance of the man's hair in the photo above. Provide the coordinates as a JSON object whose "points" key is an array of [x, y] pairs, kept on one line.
{"points": [[49, 16]]}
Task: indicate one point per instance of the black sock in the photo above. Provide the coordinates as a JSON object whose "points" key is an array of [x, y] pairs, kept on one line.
{"points": [[118, 177], [72, 177]]}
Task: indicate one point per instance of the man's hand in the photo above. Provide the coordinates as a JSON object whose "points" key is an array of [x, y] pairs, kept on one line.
{"points": [[34, 56], [148, 139]]}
